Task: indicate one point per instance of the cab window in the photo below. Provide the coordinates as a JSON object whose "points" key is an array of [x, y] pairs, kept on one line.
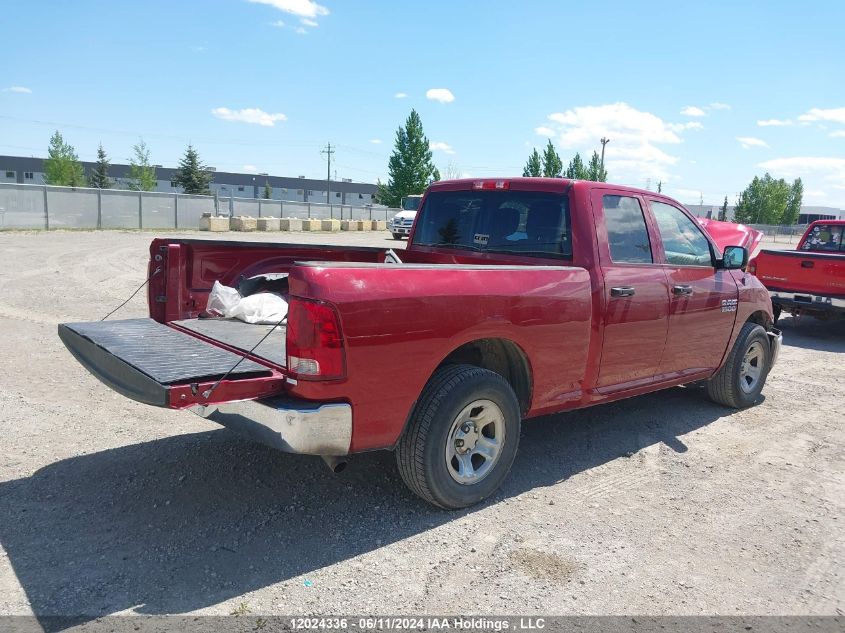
{"points": [[683, 242], [627, 234]]}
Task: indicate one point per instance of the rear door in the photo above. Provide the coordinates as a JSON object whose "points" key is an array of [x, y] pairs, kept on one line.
{"points": [[636, 295], [702, 299]]}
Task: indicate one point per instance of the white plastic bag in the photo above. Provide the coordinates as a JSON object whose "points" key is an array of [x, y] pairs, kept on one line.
{"points": [[264, 308]]}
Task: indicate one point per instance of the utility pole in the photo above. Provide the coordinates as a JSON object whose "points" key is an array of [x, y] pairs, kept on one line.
{"points": [[604, 141], [328, 152]]}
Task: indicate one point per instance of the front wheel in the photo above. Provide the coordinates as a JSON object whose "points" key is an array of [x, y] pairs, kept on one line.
{"points": [[741, 379], [397, 236], [462, 437]]}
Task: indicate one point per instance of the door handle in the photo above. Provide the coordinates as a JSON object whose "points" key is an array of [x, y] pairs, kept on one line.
{"points": [[622, 291], [682, 290], [807, 264]]}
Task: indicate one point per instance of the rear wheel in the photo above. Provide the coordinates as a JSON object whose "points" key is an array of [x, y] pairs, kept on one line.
{"points": [[462, 437], [776, 310], [741, 379]]}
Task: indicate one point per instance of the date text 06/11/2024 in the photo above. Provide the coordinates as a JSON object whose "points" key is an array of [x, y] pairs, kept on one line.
{"points": [[415, 623]]}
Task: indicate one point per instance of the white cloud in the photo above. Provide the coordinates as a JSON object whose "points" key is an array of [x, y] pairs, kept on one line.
{"points": [[278, 24], [19, 90], [400, 95], [774, 122], [748, 142], [716, 105], [819, 173], [250, 169], [310, 22], [443, 95], [375, 141], [693, 111], [249, 115], [544, 131], [689, 125], [838, 134], [301, 31], [441, 147], [301, 8], [633, 154], [835, 115]]}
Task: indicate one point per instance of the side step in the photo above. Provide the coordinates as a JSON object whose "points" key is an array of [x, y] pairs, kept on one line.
{"points": [[142, 359]]}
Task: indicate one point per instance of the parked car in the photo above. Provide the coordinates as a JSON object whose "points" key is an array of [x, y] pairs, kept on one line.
{"points": [[810, 279], [401, 223], [516, 298]]}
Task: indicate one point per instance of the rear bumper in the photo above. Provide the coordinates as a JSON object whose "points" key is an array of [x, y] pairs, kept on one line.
{"points": [[809, 302], [287, 424]]}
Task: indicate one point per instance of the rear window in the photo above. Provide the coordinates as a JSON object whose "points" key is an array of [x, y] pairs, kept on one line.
{"points": [[519, 222], [824, 237]]}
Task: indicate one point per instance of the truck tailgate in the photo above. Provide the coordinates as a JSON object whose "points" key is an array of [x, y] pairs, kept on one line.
{"points": [[802, 272], [161, 366]]}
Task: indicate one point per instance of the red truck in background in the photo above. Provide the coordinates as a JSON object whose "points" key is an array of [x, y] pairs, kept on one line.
{"points": [[810, 279], [515, 298]]}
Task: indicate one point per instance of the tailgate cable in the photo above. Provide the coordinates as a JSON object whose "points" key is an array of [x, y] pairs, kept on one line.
{"points": [[208, 392], [137, 290]]}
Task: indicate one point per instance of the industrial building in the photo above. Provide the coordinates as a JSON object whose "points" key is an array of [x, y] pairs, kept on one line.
{"points": [[30, 171]]}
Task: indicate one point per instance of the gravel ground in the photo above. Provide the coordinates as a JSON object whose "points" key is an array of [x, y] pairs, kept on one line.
{"points": [[663, 504]]}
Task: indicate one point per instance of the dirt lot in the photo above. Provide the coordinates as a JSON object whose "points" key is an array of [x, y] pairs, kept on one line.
{"points": [[665, 504]]}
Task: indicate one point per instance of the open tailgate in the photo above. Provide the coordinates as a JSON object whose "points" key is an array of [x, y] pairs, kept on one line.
{"points": [[165, 367]]}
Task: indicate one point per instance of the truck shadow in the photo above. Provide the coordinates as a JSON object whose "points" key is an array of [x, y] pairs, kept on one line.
{"points": [[186, 522], [810, 333]]}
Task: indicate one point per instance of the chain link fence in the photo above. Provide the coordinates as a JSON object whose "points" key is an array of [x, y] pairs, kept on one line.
{"points": [[47, 207], [788, 233]]}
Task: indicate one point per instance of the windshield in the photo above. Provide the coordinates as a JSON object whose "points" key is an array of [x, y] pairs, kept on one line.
{"points": [[519, 222], [824, 237], [411, 203]]}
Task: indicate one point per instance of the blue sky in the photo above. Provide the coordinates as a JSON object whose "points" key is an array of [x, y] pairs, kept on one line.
{"points": [[700, 95]]}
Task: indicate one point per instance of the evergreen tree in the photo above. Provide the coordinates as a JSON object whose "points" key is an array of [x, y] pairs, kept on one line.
{"points": [[576, 170], [659, 186], [723, 212], [534, 166], [193, 176], [596, 172], [142, 175], [62, 167], [268, 190], [793, 203], [552, 165], [99, 178], [410, 169]]}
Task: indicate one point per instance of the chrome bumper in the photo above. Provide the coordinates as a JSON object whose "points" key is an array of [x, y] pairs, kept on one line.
{"points": [[801, 300], [293, 426], [775, 341]]}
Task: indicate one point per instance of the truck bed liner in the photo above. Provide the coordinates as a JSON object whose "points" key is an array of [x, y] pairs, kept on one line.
{"points": [[141, 357], [242, 336]]}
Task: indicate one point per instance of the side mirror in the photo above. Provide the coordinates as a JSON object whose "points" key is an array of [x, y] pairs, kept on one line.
{"points": [[734, 258]]}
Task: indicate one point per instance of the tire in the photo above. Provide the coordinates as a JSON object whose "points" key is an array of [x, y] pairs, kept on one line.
{"points": [[397, 236], [732, 385], [776, 310], [443, 463]]}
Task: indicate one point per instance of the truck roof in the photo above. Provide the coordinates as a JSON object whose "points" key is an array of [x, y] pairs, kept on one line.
{"points": [[538, 184]]}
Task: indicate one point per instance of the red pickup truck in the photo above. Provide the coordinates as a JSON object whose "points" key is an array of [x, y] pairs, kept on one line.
{"points": [[515, 298], [810, 279]]}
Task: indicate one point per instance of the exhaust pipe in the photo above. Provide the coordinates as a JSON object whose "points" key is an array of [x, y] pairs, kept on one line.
{"points": [[335, 464]]}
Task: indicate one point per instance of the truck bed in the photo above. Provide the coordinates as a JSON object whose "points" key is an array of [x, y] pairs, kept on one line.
{"points": [[241, 336], [802, 272]]}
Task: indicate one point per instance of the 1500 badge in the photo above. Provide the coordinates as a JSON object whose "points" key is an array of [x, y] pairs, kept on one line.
{"points": [[729, 305]]}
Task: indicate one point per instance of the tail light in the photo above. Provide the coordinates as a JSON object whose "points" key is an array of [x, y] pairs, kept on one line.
{"points": [[491, 184], [752, 267], [314, 341]]}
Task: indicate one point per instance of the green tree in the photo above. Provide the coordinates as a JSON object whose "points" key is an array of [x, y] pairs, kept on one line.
{"points": [[142, 175], [723, 212], [193, 176], [576, 170], [410, 169], [99, 178], [763, 201], [552, 165], [268, 190], [534, 166], [793, 203], [597, 173], [62, 167]]}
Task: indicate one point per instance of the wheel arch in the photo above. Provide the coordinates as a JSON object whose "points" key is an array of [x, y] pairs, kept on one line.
{"points": [[760, 317]]}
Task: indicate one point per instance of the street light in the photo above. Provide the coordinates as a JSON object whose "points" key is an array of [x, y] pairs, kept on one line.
{"points": [[604, 141]]}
